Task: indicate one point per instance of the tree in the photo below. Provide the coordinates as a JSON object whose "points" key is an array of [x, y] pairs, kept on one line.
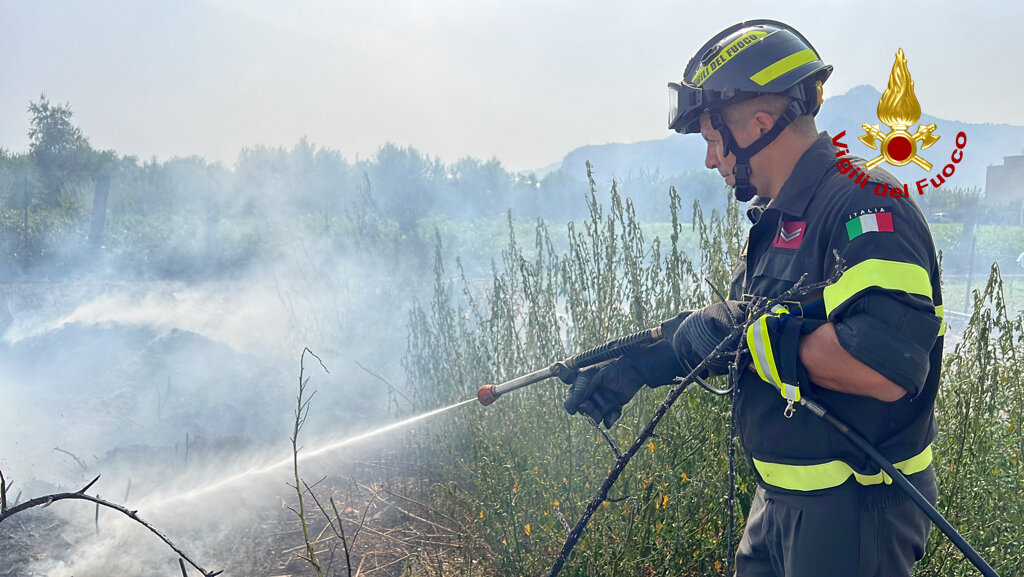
{"points": [[59, 150], [407, 185]]}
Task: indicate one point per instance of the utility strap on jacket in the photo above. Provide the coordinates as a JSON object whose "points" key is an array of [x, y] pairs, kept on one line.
{"points": [[760, 345]]}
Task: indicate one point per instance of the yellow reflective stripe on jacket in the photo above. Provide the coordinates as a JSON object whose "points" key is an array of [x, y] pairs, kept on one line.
{"points": [[886, 274], [833, 473], [940, 311]]}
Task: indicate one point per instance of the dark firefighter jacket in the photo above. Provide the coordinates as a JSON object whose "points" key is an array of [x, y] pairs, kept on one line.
{"points": [[887, 312]]}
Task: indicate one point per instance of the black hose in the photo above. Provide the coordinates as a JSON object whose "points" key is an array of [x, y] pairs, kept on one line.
{"points": [[904, 484]]}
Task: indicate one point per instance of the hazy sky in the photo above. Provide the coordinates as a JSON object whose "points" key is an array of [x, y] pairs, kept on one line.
{"points": [[525, 81]]}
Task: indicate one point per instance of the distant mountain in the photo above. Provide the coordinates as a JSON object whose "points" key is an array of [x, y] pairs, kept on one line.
{"points": [[987, 144]]}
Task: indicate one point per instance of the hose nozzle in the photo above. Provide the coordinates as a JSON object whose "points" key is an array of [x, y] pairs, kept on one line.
{"points": [[486, 395]]}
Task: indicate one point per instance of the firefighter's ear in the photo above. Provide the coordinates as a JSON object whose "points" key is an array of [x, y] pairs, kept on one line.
{"points": [[761, 123]]}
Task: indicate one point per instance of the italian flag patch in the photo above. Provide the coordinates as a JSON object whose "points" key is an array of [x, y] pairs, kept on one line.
{"points": [[874, 222]]}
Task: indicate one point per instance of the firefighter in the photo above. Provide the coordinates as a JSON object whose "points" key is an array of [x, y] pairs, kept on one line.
{"points": [[868, 345]]}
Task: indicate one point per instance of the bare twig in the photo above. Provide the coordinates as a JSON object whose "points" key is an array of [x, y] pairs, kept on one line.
{"points": [[91, 483], [301, 411], [73, 456], [341, 535], [561, 519], [386, 565], [414, 501], [47, 500], [391, 386], [362, 522], [450, 532], [3, 493], [339, 531], [607, 437]]}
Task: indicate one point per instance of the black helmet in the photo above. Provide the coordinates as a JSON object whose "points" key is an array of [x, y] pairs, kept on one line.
{"points": [[745, 60], [741, 62]]}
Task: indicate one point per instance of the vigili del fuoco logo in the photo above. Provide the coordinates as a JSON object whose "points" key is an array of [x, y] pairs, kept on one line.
{"points": [[899, 110]]}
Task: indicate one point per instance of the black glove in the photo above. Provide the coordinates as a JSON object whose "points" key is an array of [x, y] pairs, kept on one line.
{"points": [[703, 330], [600, 392]]}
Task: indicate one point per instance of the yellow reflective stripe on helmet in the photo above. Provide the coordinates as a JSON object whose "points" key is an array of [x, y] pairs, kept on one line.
{"points": [[761, 348], [780, 67], [940, 311], [886, 274], [833, 473]]}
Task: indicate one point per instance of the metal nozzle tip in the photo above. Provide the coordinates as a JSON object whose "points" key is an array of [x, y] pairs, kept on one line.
{"points": [[486, 395]]}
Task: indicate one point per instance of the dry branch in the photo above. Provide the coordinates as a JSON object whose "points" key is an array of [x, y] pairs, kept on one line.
{"points": [[3, 493], [374, 372], [414, 501], [47, 500], [73, 456]]}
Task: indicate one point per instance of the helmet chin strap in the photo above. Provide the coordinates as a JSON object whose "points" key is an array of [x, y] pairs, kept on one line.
{"points": [[743, 190]]}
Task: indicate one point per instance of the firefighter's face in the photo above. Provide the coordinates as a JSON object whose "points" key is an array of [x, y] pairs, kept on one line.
{"points": [[714, 159]]}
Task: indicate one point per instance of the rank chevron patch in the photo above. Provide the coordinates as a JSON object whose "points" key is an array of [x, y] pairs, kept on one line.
{"points": [[790, 234]]}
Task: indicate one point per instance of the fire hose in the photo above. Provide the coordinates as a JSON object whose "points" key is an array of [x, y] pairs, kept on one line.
{"points": [[567, 369]]}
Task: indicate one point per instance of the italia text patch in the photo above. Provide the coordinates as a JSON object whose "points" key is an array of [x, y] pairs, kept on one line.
{"points": [[873, 220]]}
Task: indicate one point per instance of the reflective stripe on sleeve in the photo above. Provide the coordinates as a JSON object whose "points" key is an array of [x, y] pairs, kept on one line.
{"points": [[886, 274], [833, 473], [760, 345], [940, 311]]}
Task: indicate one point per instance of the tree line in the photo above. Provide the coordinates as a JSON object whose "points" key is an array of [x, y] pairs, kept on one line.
{"points": [[68, 208]]}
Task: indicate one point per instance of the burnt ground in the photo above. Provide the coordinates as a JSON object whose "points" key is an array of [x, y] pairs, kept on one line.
{"points": [[390, 528]]}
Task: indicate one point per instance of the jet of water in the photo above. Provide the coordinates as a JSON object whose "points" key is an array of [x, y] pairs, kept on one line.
{"points": [[262, 470]]}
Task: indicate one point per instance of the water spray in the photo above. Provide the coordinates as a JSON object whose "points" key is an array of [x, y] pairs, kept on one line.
{"points": [[327, 448]]}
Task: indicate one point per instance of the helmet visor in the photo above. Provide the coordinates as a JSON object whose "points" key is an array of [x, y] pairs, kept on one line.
{"points": [[685, 105], [674, 97]]}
